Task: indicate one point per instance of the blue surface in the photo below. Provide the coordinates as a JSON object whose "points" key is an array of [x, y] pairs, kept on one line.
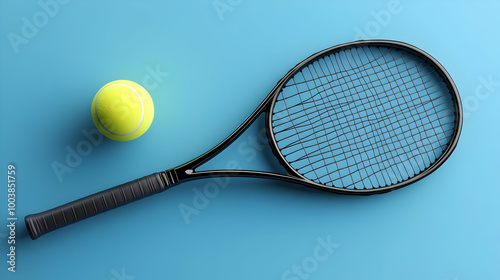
{"points": [[214, 69]]}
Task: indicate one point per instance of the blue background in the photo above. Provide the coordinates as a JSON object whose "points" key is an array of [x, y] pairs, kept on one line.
{"points": [[215, 68]]}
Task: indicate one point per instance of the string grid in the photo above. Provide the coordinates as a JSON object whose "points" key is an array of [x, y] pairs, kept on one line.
{"points": [[364, 117]]}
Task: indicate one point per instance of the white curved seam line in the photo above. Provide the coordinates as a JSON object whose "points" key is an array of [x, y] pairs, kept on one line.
{"points": [[97, 115]]}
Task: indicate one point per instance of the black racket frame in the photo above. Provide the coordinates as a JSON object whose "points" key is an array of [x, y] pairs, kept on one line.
{"points": [[187, 171]]}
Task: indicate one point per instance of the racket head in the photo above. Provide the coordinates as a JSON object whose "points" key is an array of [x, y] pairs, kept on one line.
{"points": [[364, 117]]}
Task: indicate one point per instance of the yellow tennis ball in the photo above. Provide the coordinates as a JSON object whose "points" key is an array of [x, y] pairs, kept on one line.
{"points": [[122, 110]]}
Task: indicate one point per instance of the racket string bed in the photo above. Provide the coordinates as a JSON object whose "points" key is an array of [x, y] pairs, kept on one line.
{"points": [[392, 79], [364, 118]]}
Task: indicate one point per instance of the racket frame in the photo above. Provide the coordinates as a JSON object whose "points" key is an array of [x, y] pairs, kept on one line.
{"points": [[187, 170]]}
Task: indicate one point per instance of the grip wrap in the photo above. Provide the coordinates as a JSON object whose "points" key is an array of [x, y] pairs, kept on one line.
{"points": [[44, 222]]}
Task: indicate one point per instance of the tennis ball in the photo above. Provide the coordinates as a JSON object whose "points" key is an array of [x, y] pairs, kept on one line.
{"points": [[122, 110]]}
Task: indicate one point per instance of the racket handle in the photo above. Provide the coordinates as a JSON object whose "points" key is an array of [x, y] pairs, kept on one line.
{"points": [[44, 222]]}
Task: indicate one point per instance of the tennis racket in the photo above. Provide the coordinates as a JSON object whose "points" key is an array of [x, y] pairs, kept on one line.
{"points": [[359, 118]]}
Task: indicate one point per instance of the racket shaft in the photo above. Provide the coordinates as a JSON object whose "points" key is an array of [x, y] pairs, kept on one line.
{"points": [[44, 222]]}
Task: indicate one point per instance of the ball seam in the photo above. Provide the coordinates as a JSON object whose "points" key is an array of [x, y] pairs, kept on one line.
{"points": [[99, 119]]}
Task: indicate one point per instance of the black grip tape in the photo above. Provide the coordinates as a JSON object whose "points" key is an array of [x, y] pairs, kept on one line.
{"points": [[41, 223]]}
